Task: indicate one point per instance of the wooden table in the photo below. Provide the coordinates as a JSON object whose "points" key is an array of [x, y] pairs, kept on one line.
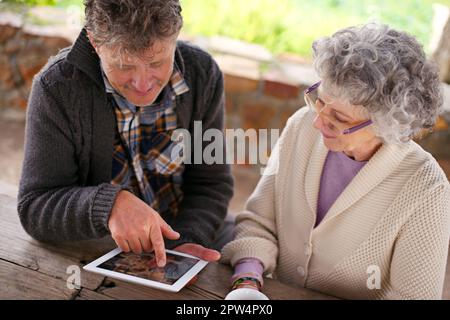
{"points": [[33, 270]]}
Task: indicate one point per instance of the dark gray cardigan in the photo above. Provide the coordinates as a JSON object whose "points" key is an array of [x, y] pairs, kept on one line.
{"points": [[65, 192]]}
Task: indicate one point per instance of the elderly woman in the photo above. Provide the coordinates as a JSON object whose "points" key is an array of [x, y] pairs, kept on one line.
{"points": [[351, 206]]}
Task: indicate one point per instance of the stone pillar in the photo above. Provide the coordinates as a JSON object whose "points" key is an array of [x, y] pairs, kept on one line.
{"points": [[440, 42], [24, 50]]}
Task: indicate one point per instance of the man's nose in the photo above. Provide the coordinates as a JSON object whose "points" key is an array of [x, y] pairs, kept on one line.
{"points": [[142, 82]]}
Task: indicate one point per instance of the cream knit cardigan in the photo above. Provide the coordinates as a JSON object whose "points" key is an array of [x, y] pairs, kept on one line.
{"points": [[391, 223]]}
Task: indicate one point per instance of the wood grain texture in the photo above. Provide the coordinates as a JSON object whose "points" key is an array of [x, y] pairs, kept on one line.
{"points": [[33, 270], [20, 283]]}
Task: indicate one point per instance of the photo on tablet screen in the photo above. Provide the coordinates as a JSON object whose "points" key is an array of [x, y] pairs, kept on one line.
{"points": [[144, 266]]}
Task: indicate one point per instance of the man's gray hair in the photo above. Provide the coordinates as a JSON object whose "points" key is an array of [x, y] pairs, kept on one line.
{"points": [[385, 71], [132, 25]]}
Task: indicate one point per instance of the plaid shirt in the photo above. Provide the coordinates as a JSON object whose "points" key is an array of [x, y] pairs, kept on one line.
{"points": [[142, 149]]}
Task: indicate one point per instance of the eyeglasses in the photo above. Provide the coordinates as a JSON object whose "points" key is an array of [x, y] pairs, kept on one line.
{"points": [[337, 126]]}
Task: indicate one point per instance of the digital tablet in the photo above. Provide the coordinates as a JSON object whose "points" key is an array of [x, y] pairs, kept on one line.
{"points": [[142, 269]]}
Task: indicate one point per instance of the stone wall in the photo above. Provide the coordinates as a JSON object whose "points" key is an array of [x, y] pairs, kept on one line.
{"points": [[24, 49]]}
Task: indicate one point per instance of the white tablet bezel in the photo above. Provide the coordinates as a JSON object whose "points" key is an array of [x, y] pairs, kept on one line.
{"points": [[177, 286]]}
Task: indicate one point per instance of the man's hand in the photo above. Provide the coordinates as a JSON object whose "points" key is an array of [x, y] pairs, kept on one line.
{"points": [[198, 251], [137, 227]]}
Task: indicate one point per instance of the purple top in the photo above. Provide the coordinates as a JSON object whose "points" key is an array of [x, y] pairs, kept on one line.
{"points": [[337, 173]]}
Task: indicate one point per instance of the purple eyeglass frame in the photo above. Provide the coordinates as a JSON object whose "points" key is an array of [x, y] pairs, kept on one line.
{"points": [[346, 131]]}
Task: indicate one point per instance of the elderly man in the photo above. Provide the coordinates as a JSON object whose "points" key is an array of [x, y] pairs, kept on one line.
{"points": [[99, 153]]}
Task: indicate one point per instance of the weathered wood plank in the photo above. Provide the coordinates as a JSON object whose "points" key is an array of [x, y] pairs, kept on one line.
{"points": [[51, 262], [129, 291], [214, 279], [18, 247], [276, 290], [81, 250], [44, 261], [204, 293], [17, 282], [86, 294]]}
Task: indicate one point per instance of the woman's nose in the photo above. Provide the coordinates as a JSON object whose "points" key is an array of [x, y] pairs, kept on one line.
{"points": [[321, 122], [318, 122]]}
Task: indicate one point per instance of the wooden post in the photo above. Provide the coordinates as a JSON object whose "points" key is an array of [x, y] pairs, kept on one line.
{"points": [[440, 42]]}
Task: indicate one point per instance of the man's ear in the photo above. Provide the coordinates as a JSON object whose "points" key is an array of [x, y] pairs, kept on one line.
{"points": [[91, 40]]}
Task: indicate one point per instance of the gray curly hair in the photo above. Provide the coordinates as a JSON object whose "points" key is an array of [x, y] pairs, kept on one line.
{"points": [[385, 71], [132, 24]]}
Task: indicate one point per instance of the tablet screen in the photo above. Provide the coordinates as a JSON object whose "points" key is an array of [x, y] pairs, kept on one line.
{"points": [[144, 266]]}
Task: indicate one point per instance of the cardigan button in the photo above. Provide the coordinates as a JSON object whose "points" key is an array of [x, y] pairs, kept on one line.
{"points": [[308, 250], [301, 271]]}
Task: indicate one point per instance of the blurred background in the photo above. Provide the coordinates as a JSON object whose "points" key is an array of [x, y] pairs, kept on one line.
{"points": [[262, 46], [286, 25]]}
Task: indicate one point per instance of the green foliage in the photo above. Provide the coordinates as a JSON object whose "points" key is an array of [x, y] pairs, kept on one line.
{"points": [[292, 25], [32, 2]]}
